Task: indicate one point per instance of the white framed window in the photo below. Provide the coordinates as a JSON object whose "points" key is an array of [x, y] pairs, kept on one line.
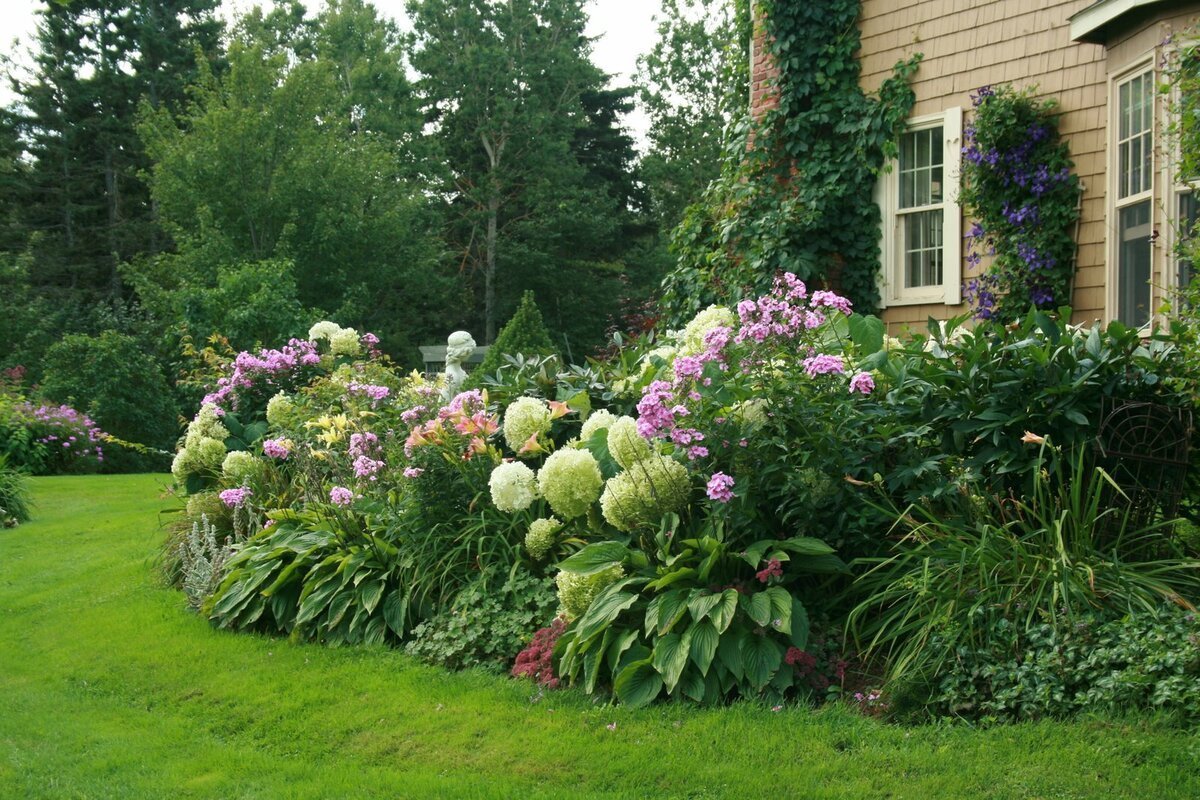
{"points": [[1184, 203], [1131, 189], [921, 236]]}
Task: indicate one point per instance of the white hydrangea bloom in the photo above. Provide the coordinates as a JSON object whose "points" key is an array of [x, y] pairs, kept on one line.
{"points": [[513, 486], [542, 535], [625, 444], [570, 480], [240, 467], [323, 330], [345, 342], [576, 592], [596, 421], [279, 408], [691, 340], [640, 496], [525, 417]]}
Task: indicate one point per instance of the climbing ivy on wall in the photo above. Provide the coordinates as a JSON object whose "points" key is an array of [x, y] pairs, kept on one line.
{"points": [[796, 188]]}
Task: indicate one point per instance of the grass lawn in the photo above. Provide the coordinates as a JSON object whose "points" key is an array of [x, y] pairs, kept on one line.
{"points": [[110, 688]]}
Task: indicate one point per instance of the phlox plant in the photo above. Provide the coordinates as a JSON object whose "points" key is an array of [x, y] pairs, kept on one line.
{"points": [[49, 439], [691, 579]]}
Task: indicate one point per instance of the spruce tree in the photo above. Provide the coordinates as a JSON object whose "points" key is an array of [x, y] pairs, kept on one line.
{"points": [[524, 334]]}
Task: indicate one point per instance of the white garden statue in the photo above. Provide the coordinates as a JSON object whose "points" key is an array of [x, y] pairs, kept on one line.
{"points": [[459, 346]]}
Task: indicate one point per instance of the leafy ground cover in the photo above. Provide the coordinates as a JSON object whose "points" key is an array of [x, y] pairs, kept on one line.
{"points": [[108, 688]]}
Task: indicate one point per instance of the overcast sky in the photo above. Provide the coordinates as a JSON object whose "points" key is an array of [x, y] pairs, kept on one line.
{"points": [[625, 28]]}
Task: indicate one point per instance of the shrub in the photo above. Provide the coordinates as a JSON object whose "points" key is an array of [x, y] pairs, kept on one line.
{"points": [[14, 495], [1147, 661], [120, 386], [487, 624], [524, 334], [49, 440], [1047, 559]]}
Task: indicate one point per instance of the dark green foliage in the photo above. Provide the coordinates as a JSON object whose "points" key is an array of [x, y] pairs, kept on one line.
{"points": [[693, 82], [1049, 557], [15, 498], [111, 379], [1146, 662], [980, 390], [487, 624], [295, 161], [537, 187], [800, 200], [88, 206], [1018, 186], [524, 334]]}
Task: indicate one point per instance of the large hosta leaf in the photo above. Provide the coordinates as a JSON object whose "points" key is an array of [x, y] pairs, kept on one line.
{"points": [[638, 684], [670, 657], [704, 638], [761, 657]]}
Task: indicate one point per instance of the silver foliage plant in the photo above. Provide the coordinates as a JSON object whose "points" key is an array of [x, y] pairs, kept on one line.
{"points": [[203, 559]]}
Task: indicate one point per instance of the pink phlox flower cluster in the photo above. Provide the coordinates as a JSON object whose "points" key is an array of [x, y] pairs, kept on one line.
{"points": [[235, 498], [789, 287], [413, 414], [363, 444], [686, 436], [428, 392], [366, 467], [267, 365], [371, 342], [715, 342], [373, 391], [341, 496], [720, 487], [69, 426], [688, 367], [656, 416], [463, 402], [862, 382], [697, 451], [773, 569], [276, 448], [413, 472], [831, 300], [824, 365]]}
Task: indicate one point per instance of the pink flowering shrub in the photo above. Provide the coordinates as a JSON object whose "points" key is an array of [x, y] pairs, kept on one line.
{"points": [[536, 661], [49, 439]]}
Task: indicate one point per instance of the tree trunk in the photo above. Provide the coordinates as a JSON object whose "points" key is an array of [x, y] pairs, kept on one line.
{"points": [[489, 273]]}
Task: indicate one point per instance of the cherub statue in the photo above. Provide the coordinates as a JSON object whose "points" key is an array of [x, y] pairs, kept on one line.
{"points": [[459, 346]]}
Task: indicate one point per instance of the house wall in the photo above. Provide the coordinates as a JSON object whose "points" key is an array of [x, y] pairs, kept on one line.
{"points": [[967, 44]]}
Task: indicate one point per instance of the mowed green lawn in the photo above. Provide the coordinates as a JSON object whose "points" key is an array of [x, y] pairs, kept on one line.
{"points": [[110, 688]]}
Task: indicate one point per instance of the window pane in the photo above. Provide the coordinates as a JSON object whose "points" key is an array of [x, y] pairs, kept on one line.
{"points": [[1133, 264], [1135, 99], [1188, 215], [920, 168], [922, 248]]}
